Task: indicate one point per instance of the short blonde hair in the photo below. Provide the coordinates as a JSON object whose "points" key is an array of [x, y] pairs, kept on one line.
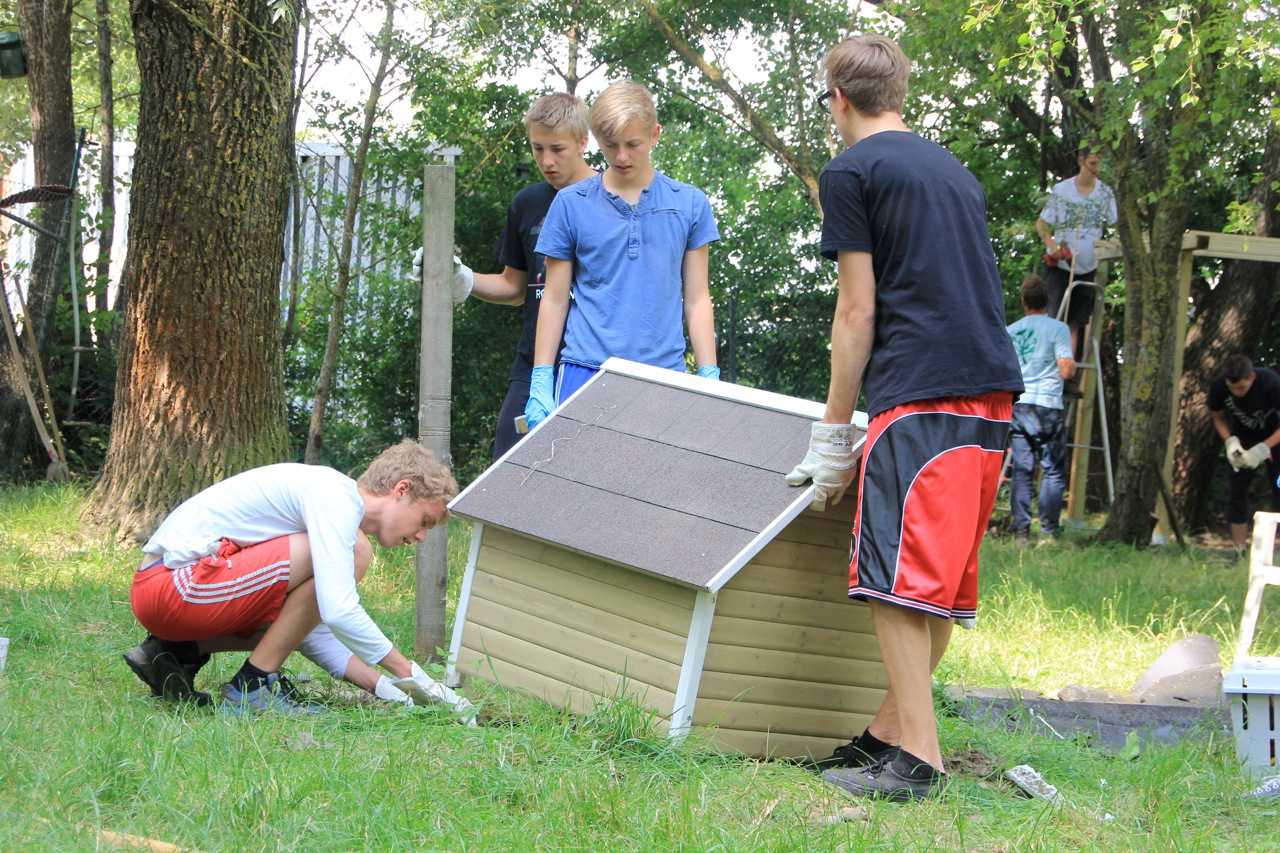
{"points": [[429, 479], [559, 112], [619, 105], [871, 71]]}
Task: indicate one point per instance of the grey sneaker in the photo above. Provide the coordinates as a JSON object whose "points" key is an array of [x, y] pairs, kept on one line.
{"points": [[167, 671], [899, 779], [864, 750], [1021, 540], [1268, 790], [268, 698]]}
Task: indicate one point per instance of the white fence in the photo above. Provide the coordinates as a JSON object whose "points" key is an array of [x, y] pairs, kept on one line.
{"points": [[325, 172]]}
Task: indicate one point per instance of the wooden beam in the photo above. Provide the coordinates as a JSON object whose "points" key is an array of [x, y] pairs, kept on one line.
{"points": [[434, 390]]}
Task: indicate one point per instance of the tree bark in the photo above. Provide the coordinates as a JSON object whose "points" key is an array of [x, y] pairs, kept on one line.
{"points": [[337, 312], [107, 151], [200, 389], [46, 34], [1152, 313], [1231, 318]]}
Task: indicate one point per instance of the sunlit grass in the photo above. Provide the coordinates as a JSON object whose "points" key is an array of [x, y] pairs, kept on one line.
{"points": [[85, 749]]}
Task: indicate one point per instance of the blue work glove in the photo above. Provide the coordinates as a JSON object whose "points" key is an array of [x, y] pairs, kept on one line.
{"points": [[710, 371], [542, 395]]}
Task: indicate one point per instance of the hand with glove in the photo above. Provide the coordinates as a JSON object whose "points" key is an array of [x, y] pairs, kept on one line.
{"points": [[1256, 455], [461, 283], [542, 395], [424, 691], [387, 691], [709, 371], [829, 463], [1235, 453]]}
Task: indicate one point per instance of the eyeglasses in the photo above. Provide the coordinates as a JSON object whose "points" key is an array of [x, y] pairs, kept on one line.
{"points": [[824, 97]]}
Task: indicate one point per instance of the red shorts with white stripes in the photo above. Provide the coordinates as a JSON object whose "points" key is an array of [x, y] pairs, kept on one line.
{"points": [[233, 594], [928, 483]]}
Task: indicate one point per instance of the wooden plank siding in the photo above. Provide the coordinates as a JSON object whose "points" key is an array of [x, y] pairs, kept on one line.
{"points": [[792, 666], [569, 628]]}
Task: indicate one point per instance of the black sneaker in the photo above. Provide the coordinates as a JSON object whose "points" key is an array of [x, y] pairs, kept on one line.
{"points": [[863, 750], [289, 689], [899, 779], [167, 671]]}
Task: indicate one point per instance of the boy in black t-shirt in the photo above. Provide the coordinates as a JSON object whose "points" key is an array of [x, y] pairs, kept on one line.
{"points": [[557, 127], [919, 327], [1245, 405]]}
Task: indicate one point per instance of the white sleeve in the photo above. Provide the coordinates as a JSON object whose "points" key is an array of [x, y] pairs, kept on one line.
{"points": [[325, 651], [331, 533]]}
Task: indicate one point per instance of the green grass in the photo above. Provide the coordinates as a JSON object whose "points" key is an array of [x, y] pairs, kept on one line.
{"points": [[84, 749]]}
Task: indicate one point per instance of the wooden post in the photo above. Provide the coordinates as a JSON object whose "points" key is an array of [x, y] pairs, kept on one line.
{"points": [[1086, 410], [435, 369]]}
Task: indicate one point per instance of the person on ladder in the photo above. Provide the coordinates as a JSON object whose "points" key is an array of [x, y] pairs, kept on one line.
{"points": [[1077, 212]]}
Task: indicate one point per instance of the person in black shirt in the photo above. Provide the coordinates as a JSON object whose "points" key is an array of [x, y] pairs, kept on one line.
{"points": [[919, 328], [1245, 405], [557, 127]]}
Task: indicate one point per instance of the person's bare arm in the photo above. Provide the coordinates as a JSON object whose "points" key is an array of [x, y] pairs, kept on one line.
{"points": [[504, 288], [1220, 424], [699, 313], [553, 311], [852, 333]]}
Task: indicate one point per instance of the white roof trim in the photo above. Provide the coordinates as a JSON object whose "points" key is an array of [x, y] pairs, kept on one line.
{"points": [[464, 601], [724, 390], [755, 546]]}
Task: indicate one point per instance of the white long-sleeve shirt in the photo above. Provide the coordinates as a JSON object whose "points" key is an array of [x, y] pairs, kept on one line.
{"points": [[278, 500]]}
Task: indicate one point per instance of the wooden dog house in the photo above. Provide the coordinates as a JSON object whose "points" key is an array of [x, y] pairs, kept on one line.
{"points": [[641, 542]]}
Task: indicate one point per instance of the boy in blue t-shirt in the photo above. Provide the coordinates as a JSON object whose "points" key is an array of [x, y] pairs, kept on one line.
{"points": [[1043, 345], [632, 244]]}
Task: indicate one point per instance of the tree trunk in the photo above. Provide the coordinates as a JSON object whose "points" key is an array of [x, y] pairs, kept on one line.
{"points": [[107, 151], [295, 192], [337, 313], [1152, 315], [1229, 319], [46, 34], [199, 388]]}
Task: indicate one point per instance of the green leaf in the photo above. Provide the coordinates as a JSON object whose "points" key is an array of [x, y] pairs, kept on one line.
{"points": [[1132, 746]]}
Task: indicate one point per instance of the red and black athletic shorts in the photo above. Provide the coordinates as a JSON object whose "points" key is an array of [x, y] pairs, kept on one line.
{"points": [[929, 477], [231, 595]]}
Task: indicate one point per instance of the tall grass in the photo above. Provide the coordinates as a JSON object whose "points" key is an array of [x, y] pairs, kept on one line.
{"points": [[84, 749]]}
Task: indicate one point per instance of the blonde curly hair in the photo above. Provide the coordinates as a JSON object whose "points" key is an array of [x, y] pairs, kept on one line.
{"points": [[428, 477]]}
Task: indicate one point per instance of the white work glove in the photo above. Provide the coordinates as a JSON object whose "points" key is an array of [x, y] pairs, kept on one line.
{"points": [[388, 692], [425, 691], [1256, 455], [829, 463], [1235, 453], [463, 278]]}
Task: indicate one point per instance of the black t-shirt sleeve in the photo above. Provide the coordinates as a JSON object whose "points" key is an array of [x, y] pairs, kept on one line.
{"points": [[1270, 388], [845, 222], [1218, 394], [511, 249]]}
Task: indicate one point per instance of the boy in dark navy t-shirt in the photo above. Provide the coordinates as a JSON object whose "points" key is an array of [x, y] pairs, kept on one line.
{"points": [[919, 328], [557, 127], [1245, 406]]}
